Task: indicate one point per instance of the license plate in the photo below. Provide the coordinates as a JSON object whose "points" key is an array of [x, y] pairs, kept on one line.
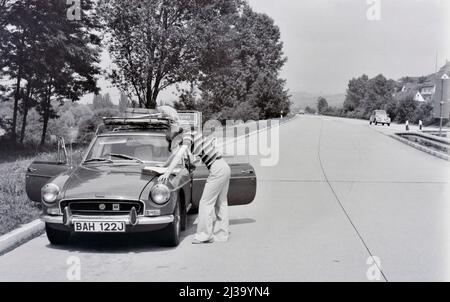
{"points": [[99, 226]]}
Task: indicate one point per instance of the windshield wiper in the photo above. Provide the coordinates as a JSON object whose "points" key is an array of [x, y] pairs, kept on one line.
{"points": [[98, 159], [124, 157]]}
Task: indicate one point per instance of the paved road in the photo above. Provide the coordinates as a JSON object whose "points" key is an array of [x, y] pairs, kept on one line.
{"points": [[341, 192]]}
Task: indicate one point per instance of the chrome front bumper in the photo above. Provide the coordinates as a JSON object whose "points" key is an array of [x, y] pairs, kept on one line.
{"points": [[141, 220]]}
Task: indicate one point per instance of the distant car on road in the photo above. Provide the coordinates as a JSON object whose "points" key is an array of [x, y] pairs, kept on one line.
{"points": [[301, 112], [379, 117]]}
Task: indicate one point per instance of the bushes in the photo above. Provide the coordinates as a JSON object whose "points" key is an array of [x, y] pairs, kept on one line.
{"points": [[243, 111], [310, 110], [406, 111], [424, 112], [88, 125]]}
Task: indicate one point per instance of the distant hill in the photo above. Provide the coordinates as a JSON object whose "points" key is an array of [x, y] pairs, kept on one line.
{"points": [[301, 99], [427, 79]]}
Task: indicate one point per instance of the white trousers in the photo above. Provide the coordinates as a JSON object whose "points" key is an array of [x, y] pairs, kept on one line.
{"points": [[213, 207]]}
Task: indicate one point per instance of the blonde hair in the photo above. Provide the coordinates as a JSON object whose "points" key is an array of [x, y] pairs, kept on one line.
{"points": [[169, 112]]}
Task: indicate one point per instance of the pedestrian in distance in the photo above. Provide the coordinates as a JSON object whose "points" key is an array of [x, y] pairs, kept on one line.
{"points": [[407, 125], [420, 125]]}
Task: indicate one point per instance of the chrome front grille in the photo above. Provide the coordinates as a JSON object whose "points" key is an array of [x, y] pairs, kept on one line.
{"points": [[102, 207]]}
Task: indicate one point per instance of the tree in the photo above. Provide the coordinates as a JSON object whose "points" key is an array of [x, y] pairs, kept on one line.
{"points": [[15, 46], [124, 103], [310, 110], [268, 97], [53, 57], [365, 95], [424, 112], [70, 116], [101, 101], [322, 105], [241, 64], [421, 79], [406, 109], [378, 94], [5, 6], [28, 102], [356, 92], [88, 125], [155, 43], [391, 108], [242, 112]]}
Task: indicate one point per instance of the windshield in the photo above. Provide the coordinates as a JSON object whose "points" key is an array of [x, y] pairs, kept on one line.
{"points": [[380, 112], [138, 148]]}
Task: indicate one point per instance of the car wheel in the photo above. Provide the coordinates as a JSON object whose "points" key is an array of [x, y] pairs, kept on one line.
{"points": [[382, 124], [376, 123], [55, 236], [389, 124], [370, 122], [172, 232]]}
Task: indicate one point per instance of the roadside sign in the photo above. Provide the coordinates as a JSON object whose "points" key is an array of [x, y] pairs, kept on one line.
{"points": [[190, 118]]}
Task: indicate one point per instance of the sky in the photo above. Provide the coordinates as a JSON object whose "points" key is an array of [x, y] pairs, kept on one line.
{"points": [[327, 42]]}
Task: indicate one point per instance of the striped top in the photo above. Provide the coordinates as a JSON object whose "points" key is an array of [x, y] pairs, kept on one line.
{"points": [[203, 147]]}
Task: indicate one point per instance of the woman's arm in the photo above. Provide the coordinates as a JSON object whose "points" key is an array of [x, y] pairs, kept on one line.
{"points": [[175, 161]]}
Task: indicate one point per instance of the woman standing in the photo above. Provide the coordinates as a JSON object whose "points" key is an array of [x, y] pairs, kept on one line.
{"points": [[213, 209]]}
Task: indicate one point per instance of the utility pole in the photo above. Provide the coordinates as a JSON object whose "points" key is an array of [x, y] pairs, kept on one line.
{"points": [[441, 104]]}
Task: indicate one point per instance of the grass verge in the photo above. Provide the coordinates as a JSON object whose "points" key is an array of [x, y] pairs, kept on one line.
{"points": [[15, 208]]}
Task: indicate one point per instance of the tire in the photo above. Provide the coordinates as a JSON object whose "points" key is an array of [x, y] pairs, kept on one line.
{"points": [[370, 122], [382, 124], [389, 124], [171, 234], [55, 236], [376, 123]]}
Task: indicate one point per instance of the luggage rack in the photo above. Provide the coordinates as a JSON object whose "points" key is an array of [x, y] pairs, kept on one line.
{"points": [[141, 119], [148, 121]]}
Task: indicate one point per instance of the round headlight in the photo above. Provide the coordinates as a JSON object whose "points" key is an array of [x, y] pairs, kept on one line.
{"points": [[160, 194], [49, 193]]}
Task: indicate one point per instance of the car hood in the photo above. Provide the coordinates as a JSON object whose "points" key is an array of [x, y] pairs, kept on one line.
{"points": [[106, 181]]}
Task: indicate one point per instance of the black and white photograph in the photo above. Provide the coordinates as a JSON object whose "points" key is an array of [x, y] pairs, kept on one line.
{"points": [[203, 142]]}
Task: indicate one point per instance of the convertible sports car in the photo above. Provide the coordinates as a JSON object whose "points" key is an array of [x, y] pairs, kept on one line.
{"points": [[116, 188]]}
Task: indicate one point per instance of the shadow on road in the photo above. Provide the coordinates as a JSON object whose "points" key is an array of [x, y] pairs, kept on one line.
{"points": [[131, 242]]}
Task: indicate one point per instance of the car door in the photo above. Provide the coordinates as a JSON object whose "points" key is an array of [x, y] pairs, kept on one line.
{"points": [[242, 188], [39, 173]]}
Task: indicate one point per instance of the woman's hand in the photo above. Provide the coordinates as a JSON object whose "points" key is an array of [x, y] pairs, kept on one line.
{"points": [[164, 177]]}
